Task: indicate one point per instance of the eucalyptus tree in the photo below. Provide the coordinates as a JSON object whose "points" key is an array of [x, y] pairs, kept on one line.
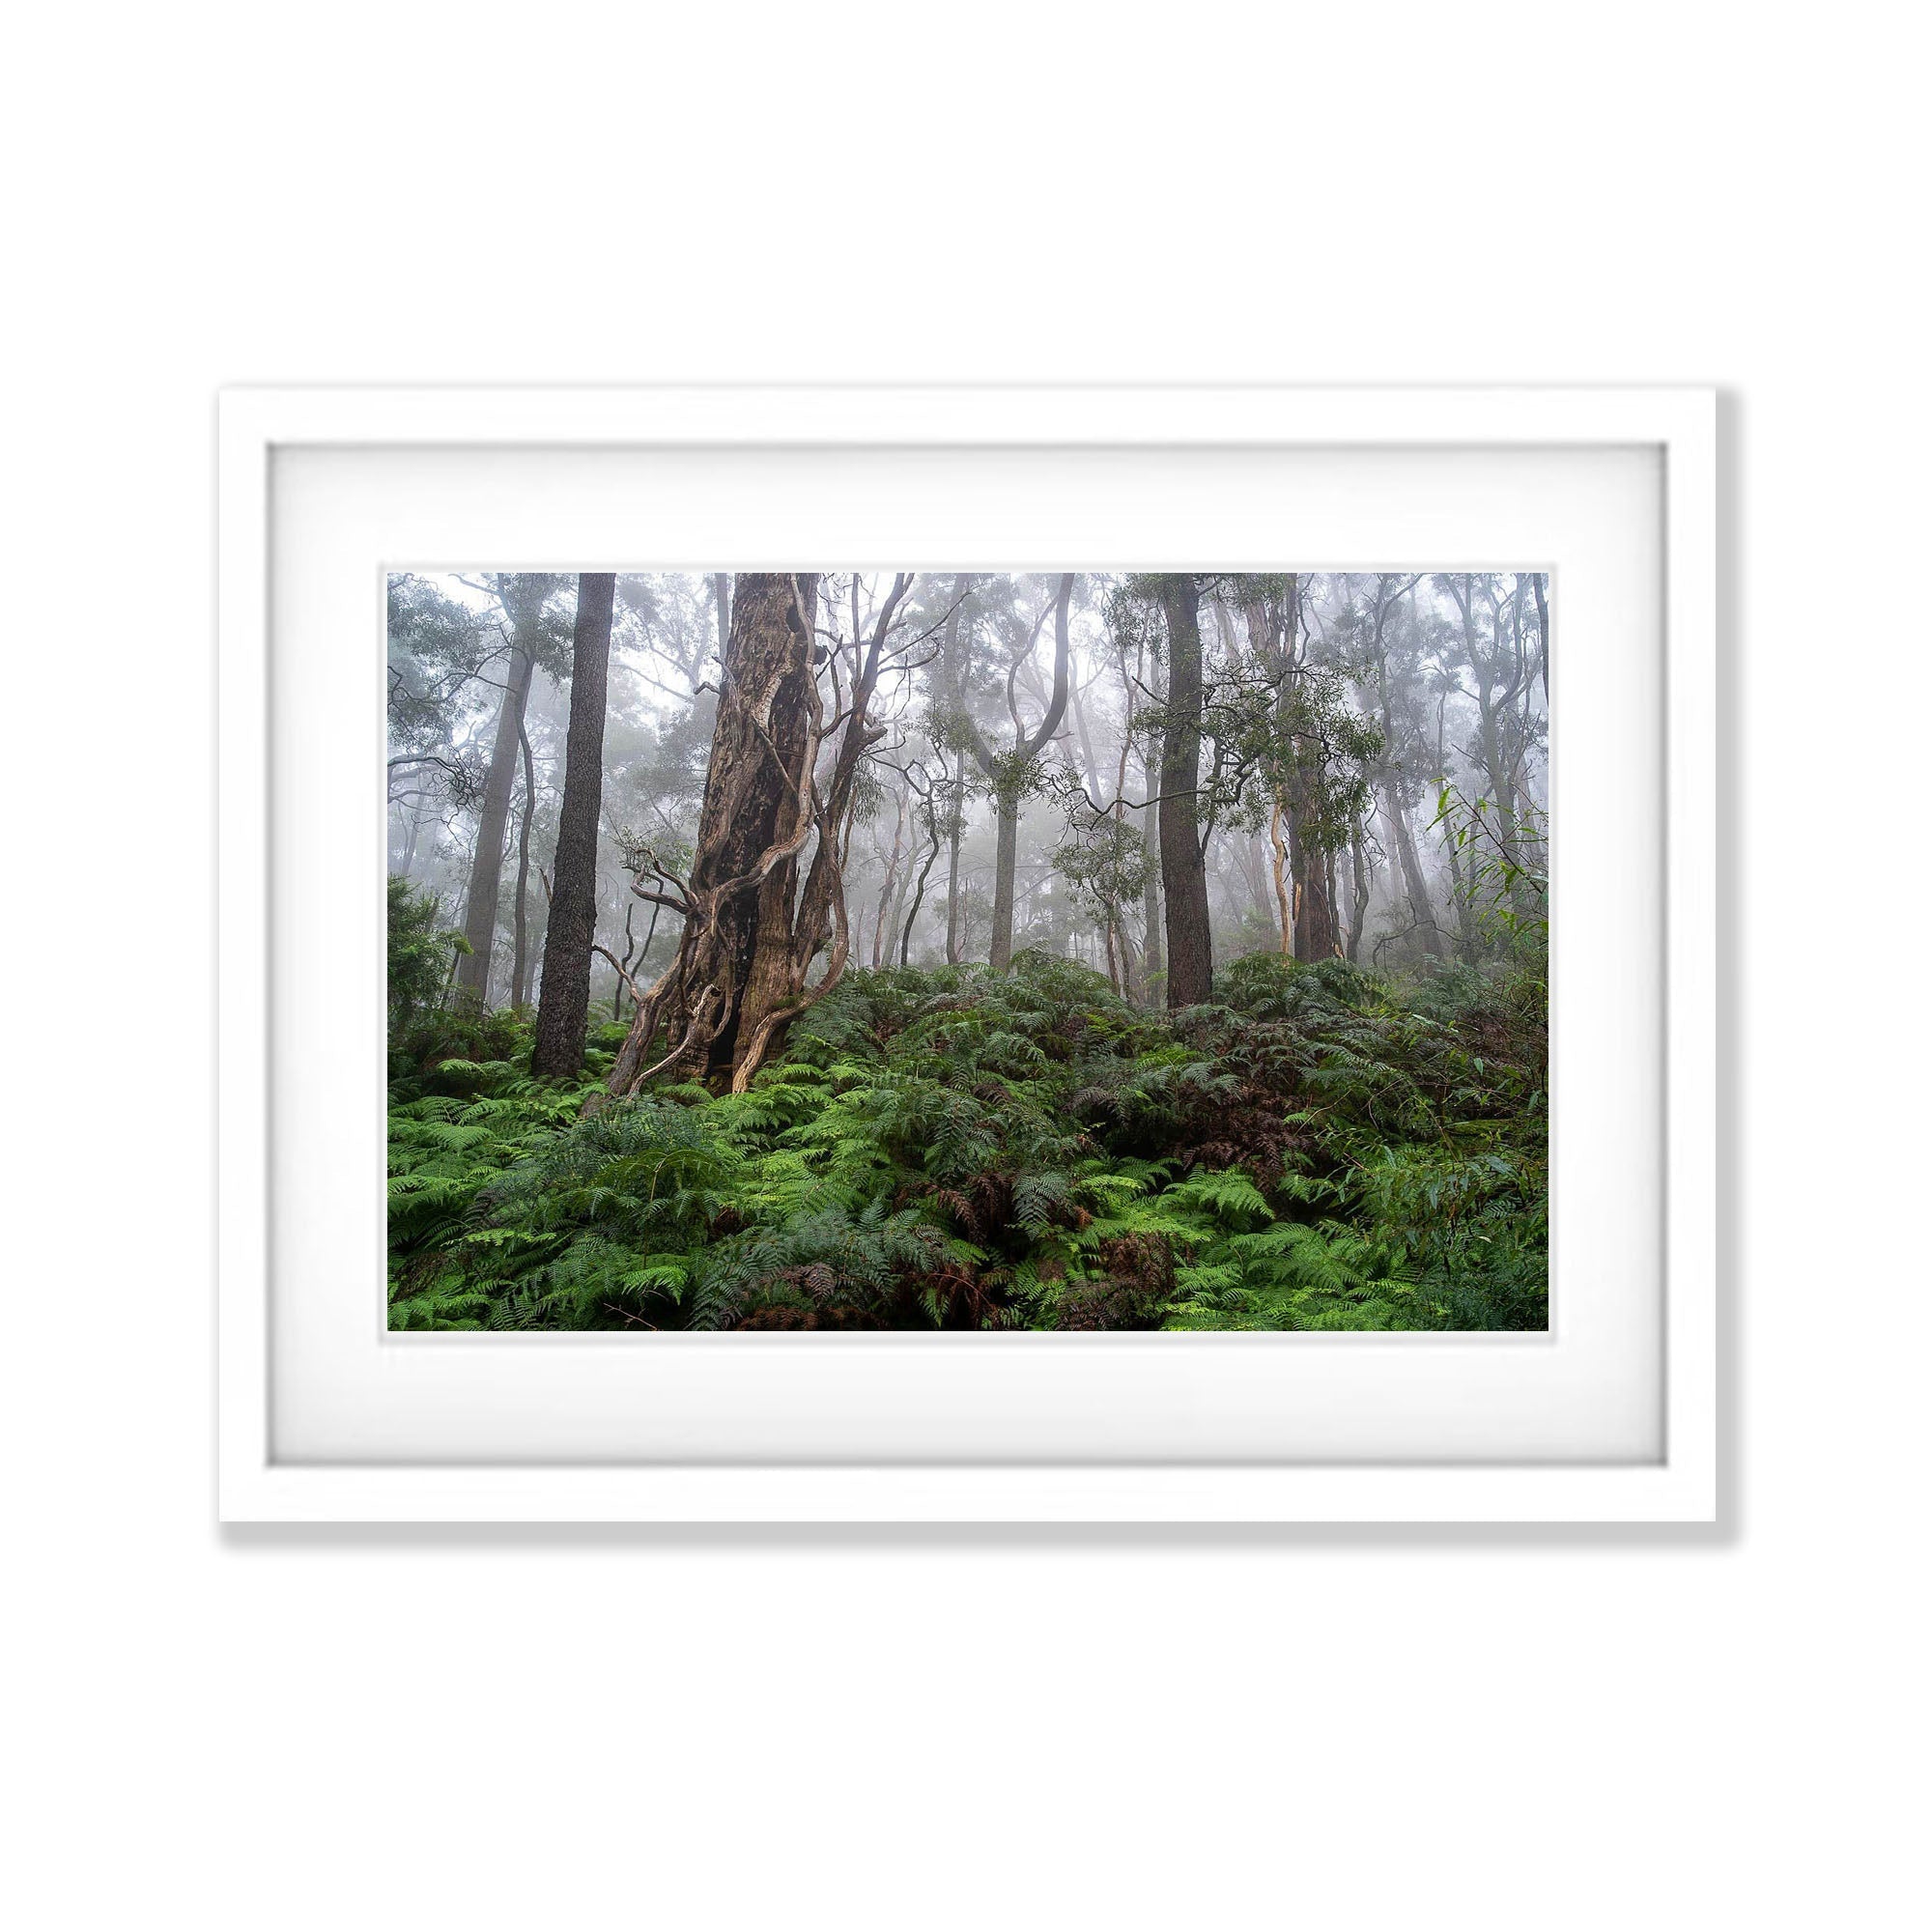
{"points": [[1104, 862], [894, 866], [1392, 668], [947, 727], [938, 811], [1183, 872], [439, 652], [1158, 615], [1501, 670], [563, 1011], [1135, 685], [1452, 817], [757, 913], [1493, 653], [532, 633], [751, 828], [1014, 771], [1310, 747]]}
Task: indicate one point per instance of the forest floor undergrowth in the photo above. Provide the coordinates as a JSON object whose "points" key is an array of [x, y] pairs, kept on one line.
{"points": [[1320, 1148]]}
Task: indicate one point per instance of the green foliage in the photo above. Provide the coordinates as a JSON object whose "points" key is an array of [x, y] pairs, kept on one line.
{"points": [[1320, 1147], [420, 954], [436, 648], [1105, 860], [1508, 896]]}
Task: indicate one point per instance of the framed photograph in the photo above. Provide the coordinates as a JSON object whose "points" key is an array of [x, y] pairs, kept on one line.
{"points": [[953, 954]]}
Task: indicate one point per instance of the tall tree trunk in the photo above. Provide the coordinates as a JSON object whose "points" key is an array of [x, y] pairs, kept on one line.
{"points": [[771, 652], [564, 1009], [1541, 631], [903, 888], [1089, 766], [1273, 626], [919, 897], [520, 984], [1297, 871], [1183, 871], [486, 871], [1132, 983], [1254, 868], [1358, 889], [955, 667], [1459, 887], [1277, 864], [1421, 910], [1495, 706], [1495, 765], [1309, 867], [1009, 783], [750, 831], [1005, 856], [1465, 913], [1150, 909], [956, 810], [901, 892], [753, 933], [886, 888], [1408, 867]]}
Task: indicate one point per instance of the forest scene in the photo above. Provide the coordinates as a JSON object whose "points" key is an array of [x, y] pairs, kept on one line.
{"points": [[949, 950]]}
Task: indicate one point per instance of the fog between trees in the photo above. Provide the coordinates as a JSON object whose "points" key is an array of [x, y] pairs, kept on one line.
{"points": [[1152, 775]]}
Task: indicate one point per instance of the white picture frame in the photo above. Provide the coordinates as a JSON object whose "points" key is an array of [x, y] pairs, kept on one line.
{"points": [[504, 436]]}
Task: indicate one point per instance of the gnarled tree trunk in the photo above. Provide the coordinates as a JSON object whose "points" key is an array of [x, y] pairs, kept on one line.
{"points": [[752, 931], [755, 819]]}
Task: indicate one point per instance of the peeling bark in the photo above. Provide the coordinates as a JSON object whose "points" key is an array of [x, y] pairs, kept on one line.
{"points": [[751, 826]]}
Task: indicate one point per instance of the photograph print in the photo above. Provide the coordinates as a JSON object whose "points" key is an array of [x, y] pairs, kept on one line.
{"points": [[968, 952]]}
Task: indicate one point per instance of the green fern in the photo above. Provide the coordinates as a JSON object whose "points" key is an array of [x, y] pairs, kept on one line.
{"points": [[1316, 1147]]}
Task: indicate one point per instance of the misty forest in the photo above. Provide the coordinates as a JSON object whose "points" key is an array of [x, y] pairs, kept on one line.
{"points": [[964, 950]]}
